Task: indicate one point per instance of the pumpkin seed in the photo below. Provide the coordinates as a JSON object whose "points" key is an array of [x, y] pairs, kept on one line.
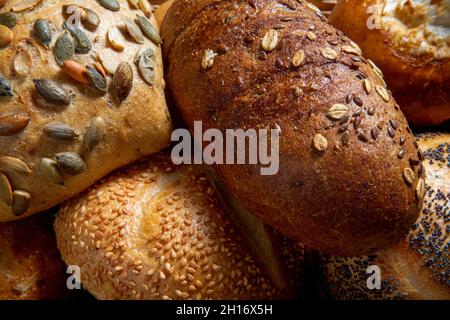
{"points": [[112, 5], [6, 194], [22, 63], [82, 43], [8, 19], [134, 30], [5, 87], [409, 176], [11, 164], [420, 190], [21, 202], [382, 92], [96, 79], [52, 92], [25, 5], [51, 172], [328, 53], [94, 133], [320, 143], [338, 111], [134, 4], [208, 59], [107, 62], [116, 38], [64, 48], [270, 40], [123, 81], [148, 29], [91, 21], [145, 7], [70, 163], [76, 71], [299, 57], [60, 131], [43, 32], [147, 66], [351, 50], [13, 123], [6, 36]]}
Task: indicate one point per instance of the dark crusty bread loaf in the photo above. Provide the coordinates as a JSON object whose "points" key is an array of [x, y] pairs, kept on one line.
{"points": [[359, 194], [417, 268]]}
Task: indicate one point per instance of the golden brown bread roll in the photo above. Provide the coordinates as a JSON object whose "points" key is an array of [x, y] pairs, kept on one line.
{"points": [[155, 231], [363, 160], [30, 264], [410, 42], [417, 268], [55, 150]]}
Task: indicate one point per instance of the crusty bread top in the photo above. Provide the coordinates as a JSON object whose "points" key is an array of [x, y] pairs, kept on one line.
{"points": [[126, 131], [326, 199]]}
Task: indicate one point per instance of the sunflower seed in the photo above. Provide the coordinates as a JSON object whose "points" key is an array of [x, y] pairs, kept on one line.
{"points": [[52, 92], [6, 36], [208, 59], [420, 190], [25, 5], [13, 123], [64, 48], [375, 68], [133, 30], [112, 5], [299, 57], [401, 154], [50, 171], [91, 21], [6, 194], [12, 165], [60, 131], [21, 202], [375, 133], [367, 86], [123, 81], [270, 40], [147, 66], [148, 29], [145, 7], [116, 39], [96, 79], [345, 138], [8, 19], [382, 92], [328, 53], [5, 87], [391, 132], [94, 133], [320, 143], [70, 163], [82, 43], [338, 111], [76, 71], [409, 176], [371, 111], [363, 136], [107, 62], [43, 32], [22, 63]]}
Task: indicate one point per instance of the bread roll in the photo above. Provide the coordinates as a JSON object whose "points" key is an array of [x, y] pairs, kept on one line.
{"points": [[417, 268], [55, 150], [326, 195], [30, 264], [154, 231], [409, 41]]}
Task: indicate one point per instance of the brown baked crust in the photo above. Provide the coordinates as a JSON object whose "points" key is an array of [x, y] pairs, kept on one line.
{"points": [[138, 126], [30, 264], [161, 11], [155, 231], [417, 268], [363, 180], [420, 84]]}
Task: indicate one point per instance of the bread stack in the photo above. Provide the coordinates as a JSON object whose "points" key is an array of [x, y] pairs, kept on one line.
{"points": [[83, 93]]}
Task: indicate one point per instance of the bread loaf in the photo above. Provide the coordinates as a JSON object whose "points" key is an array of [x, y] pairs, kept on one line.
{"points": [[279, 64], [155, 231], [417, 268], [409, 42], [64, 126]]}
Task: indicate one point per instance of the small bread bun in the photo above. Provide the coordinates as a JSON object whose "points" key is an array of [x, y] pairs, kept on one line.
{"points": [[61, 127], [30, 264], [161, 11], [409, 41], [419, 267], [154, 231]]}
